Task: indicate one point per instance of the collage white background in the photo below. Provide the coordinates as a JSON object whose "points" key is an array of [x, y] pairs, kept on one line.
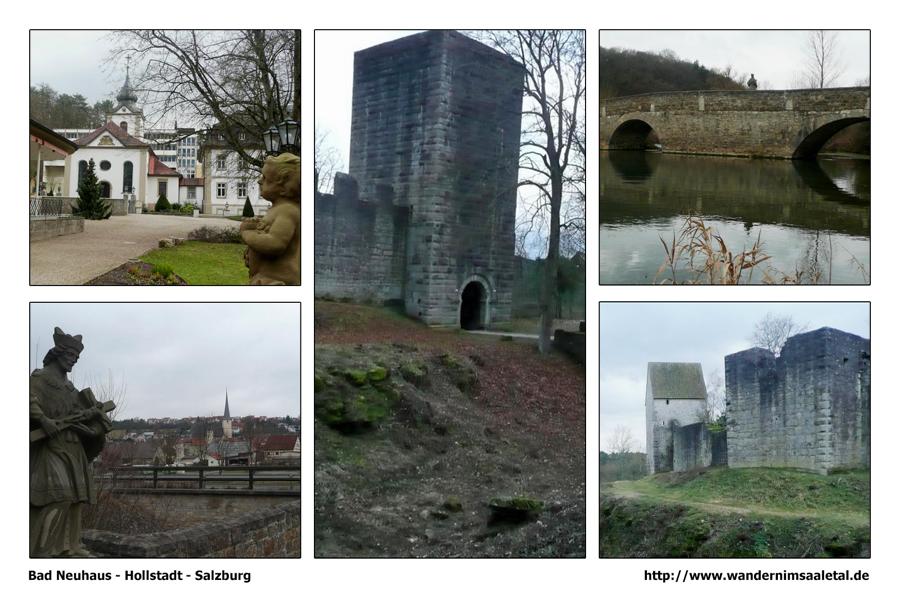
{"points": [[450, 579]]}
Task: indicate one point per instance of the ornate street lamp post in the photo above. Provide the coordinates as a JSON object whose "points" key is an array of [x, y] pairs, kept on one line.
{"points": [[285, 137]]}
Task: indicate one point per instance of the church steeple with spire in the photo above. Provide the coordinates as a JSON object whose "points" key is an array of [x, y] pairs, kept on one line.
{"points": [[227, 430], [126, 114]]}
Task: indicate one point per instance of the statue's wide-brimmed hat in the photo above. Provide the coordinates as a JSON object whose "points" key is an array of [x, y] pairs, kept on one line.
{"points": [[64, 341]]}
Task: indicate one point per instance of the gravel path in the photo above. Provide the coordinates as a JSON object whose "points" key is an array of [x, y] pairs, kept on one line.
{"points": [[104, 245]]}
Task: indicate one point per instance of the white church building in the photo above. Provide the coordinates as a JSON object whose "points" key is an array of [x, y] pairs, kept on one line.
{"points": [[130, 169]]}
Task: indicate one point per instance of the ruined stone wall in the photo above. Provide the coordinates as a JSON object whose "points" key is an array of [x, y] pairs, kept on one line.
{"points": [[435, 128], [270, 532], [808, 408], [360, 247], [663, 419], [695, 446], [757, 123]]}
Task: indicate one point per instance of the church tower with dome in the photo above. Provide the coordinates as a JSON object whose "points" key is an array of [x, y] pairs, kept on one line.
{"points": [[127, 115]]}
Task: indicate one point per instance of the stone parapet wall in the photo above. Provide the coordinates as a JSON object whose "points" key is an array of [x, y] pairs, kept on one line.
{"points": [[827, 100], [269, 532], [45, 228]]}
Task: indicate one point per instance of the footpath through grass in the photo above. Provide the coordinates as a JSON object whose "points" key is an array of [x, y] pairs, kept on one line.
{"points": [[774, 490], [203, 263]]}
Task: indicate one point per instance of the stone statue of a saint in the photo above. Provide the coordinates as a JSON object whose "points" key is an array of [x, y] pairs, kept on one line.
{"points": [[751, 83], [68, 430], [273, 241]]}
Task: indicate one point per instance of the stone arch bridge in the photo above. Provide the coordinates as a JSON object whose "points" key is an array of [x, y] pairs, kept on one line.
{"points": [[777, 124]]}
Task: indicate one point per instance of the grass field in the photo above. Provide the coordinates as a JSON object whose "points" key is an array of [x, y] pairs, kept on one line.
{"points": [[781, 490], [203, 263], [723, 512]]}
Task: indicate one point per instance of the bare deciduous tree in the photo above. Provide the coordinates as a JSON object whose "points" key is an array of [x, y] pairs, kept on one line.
{"points": [[823, 62], [239, 82], [327, 160], [551, 160], [621, 441], [715, 397], [111, 389], [773, 331]]}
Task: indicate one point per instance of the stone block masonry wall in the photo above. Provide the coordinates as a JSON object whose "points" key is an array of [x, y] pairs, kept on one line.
{"points": [[360, 247], [695, 446], [270, 532], [808, 408], [435, 127]]}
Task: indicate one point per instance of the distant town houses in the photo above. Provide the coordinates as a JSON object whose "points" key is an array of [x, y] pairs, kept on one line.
{"points": [[220, 441], [137, 165]]}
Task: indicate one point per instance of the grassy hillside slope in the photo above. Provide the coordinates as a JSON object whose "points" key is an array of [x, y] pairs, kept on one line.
{"points": [[737, 513]]}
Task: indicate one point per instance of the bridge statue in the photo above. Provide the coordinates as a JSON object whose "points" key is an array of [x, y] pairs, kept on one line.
{"points": [[273, 241], [751, 83], [68, 431]]}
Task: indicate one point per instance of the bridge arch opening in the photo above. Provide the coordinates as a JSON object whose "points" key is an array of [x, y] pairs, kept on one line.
{"points": [[634, 134], [814, 141]]}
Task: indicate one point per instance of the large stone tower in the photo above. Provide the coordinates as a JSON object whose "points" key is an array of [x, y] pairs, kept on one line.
{"points": [[427, 217], [676, 396]]}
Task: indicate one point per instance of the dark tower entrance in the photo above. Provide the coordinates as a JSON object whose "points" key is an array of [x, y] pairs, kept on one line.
{"points": [[104, 189], [473, 308]]}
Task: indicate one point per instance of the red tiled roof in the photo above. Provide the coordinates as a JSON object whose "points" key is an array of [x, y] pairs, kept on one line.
{"points": [[277, 442], [191, 181], [159, 169], [129, 141]]}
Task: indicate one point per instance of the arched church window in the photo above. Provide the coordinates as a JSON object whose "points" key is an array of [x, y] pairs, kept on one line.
{"points": [[127, 173], [82, 167], [124, 126]]}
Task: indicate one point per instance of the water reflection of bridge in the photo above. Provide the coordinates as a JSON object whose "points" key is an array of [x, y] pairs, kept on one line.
{"points": [[648, 186]]}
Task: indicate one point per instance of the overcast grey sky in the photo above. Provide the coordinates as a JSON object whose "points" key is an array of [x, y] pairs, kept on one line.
{"points": [[334, 80], [633, 334], [775, 57], [176, 359], [75, 62]]}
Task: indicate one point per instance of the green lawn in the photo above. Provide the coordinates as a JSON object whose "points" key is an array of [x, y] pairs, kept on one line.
{"points": [[203, 263]]}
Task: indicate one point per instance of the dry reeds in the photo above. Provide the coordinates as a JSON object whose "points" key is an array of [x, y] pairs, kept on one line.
{"points": [[698, 250]]}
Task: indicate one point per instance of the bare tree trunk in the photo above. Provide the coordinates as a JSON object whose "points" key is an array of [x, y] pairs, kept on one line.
{"points": [[295, 114], [551, 266]]}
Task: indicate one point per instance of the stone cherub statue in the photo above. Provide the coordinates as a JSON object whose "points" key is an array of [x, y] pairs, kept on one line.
{"points": [[68, 430], [273, 241]]}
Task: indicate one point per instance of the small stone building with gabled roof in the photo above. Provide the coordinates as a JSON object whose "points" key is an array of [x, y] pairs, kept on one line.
{"points": [[676, 396]]}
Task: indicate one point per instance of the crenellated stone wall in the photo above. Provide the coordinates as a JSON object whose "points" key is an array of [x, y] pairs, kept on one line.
{"points": [[430, 202], [360, 247], [770, 123], [808, 408]]}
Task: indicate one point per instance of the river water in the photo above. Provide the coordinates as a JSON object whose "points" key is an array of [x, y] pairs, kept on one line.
{"points": [[811, 217]]}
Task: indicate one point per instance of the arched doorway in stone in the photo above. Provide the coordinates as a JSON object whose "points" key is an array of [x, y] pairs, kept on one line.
{"points": [[104, 189], [474, 305]]}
